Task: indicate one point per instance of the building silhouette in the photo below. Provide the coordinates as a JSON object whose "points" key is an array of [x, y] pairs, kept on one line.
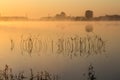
{"points": [[89, 14], [61, 16]]}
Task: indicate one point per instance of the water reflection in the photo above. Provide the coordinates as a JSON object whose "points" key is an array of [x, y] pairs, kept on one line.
{"points": [[32, 44], [12, 44], [81, 46], [79, 40], [68, 45], [89, 28], [27, 44]]}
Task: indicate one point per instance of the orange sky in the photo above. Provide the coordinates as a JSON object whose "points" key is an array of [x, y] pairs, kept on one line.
{"points": [[39, 8]]}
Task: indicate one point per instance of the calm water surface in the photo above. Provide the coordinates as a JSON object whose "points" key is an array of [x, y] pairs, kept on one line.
{"points": [[55, 47]]}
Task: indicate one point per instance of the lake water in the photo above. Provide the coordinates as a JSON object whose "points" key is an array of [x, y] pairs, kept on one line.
{"points": [[63, 48]]}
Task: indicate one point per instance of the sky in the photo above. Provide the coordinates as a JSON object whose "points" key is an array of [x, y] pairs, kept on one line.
{"points": [[40, 8]]}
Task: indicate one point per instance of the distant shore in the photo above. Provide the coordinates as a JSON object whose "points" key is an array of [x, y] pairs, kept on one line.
{"points": [[89, 16]]}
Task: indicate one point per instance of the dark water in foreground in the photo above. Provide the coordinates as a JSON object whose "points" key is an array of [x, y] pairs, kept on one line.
{"points": [[63, 49]]}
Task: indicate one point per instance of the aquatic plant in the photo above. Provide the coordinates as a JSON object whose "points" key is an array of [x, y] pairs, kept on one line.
{"points": [[71, 46], [91, 73], [8, 74]]}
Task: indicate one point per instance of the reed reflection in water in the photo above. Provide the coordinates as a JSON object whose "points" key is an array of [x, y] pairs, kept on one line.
{"points": [[66, 45]]}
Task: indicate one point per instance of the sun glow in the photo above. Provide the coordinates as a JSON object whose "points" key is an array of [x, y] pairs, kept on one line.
{"points": [[40, 8]]}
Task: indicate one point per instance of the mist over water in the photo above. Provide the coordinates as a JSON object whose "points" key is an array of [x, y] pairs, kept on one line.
{"points": [[65, 48]]}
